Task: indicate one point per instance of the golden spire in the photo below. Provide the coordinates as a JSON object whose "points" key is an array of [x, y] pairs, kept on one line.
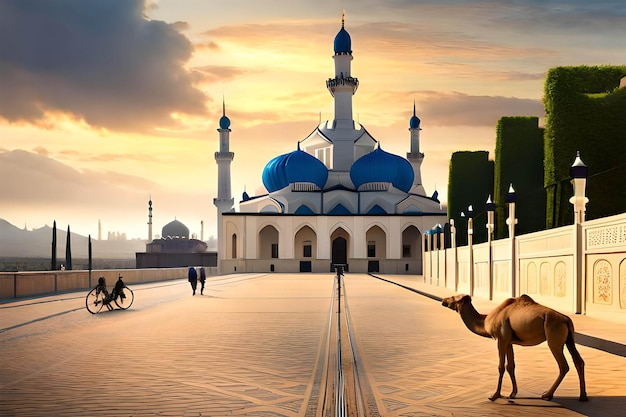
{"points": [[343, 17]]}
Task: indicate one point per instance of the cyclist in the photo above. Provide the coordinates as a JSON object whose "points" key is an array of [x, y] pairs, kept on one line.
{"points": [[118, 290], [102, 288]]}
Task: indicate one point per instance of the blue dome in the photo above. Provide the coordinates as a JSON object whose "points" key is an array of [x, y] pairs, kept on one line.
{"points": [[296, 166], [343, 43], [414, 122], [224, 122], [381, 166]]}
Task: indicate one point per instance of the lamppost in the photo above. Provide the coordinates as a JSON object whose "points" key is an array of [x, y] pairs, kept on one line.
{"points": [[511, 221], [579, 173], [491, 208], [470, 233]]}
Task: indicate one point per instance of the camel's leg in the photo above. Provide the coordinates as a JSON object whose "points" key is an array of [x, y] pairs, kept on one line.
{"points": [[502, 349], [580, 365], [556, 347], [510, 368]]}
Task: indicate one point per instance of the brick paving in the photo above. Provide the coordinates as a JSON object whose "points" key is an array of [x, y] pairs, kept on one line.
{"points": [[253, 345]]}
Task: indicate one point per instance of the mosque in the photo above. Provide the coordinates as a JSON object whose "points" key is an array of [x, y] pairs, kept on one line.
{"points": [[338, 199]]}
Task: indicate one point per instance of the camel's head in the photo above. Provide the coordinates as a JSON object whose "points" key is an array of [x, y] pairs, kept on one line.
{"points": [[455, 302]]}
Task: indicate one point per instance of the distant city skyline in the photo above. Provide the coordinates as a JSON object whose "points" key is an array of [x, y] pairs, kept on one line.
{"points": [[107, 104]]}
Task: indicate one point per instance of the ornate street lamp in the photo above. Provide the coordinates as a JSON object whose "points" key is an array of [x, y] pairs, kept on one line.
{"points": [[511, 221], [579, 173], [491, 208]]}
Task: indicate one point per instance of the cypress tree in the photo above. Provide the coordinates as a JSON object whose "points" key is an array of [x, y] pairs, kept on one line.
{"points": [[68, 251], [53, 263]]}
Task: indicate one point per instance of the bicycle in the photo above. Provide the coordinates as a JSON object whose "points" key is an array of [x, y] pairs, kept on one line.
{"points": [[99, 296]]}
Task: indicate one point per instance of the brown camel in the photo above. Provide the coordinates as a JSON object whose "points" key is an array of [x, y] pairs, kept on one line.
{"points": [[522, 321]]}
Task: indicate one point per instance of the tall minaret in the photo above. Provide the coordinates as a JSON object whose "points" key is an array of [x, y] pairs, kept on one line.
{"points": [[224, 202], [342, 88], [415, 157], [150, 219]]}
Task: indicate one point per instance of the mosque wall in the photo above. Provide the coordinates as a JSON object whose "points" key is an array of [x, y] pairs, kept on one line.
{"points": [[261, 242], [578, 268]]}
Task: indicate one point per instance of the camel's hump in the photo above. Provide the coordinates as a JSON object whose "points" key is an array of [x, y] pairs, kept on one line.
{"points": [[525, 298]]}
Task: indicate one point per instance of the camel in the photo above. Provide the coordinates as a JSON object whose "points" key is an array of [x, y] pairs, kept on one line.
{"points": [[522, 321]]}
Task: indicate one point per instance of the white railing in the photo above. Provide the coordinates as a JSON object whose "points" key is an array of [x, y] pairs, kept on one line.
{"points": [[576, 268]]}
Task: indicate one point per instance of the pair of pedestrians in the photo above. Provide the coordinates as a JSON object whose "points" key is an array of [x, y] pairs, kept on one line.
{"points": [[193, 279]]}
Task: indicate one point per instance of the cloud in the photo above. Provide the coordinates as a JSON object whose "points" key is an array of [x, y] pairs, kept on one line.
{"points": [[216, 73], [43, 189], [99, 61], [458, 109]]}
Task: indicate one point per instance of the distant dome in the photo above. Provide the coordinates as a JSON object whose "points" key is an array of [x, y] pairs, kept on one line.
{"points": [[175, 229], [343, 43], [296, 166], [245, 196], [381, 166], [224, 122]]}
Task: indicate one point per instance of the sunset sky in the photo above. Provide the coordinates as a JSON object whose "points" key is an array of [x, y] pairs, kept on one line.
{"points": [[106, 103]]}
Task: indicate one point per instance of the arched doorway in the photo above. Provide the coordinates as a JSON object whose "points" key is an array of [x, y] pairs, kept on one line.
{"points": [[412, 248], [305, 248], [339, 246], [268, 243], [340, 251]]}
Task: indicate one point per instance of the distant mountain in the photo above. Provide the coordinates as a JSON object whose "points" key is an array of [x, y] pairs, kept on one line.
{"points": [[16, 242]]}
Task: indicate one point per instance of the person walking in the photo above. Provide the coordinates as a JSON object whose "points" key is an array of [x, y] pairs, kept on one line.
{"points": [[202, 279], [193, 279]]}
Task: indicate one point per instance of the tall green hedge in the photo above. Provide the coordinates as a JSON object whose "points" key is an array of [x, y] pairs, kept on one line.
{"points": [[470, 183], [586, 112], [519, 161]]}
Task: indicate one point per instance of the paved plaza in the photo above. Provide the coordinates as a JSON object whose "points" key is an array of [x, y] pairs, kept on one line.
{"points": [[254, 345]]}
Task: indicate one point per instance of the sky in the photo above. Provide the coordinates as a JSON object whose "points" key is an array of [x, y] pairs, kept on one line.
{"points": [[106, 104]]}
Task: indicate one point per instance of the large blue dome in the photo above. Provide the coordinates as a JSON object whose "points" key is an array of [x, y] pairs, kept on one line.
{"points": [[343, 43], [296, 166], [381, 166]]}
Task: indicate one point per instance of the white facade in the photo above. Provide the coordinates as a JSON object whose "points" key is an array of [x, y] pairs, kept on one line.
{"points": [[337, 199]]}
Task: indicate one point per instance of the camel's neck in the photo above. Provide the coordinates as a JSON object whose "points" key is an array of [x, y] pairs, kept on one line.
{"points": [[473, 320]]}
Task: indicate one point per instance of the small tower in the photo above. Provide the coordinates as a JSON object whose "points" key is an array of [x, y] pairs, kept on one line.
{"points": [[224, 201], [414, 156], [342, 87], [150, 219]]}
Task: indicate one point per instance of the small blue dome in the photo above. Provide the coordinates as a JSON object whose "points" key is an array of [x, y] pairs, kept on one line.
{"points": [[381, 166], [296, 166], [414, 122], [343, 43], [245, 196], [224, 122]]}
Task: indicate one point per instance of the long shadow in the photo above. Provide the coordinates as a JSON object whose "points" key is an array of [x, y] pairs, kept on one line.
{"points": [[597, 406]]}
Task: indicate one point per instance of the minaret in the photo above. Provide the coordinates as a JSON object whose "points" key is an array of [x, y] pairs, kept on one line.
{"points": [[224, 202], [342, 87], [415, 157], [150, 219]]}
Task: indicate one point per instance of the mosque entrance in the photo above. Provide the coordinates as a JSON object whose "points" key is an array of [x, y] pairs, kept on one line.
{"points": [[340, 252]]}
